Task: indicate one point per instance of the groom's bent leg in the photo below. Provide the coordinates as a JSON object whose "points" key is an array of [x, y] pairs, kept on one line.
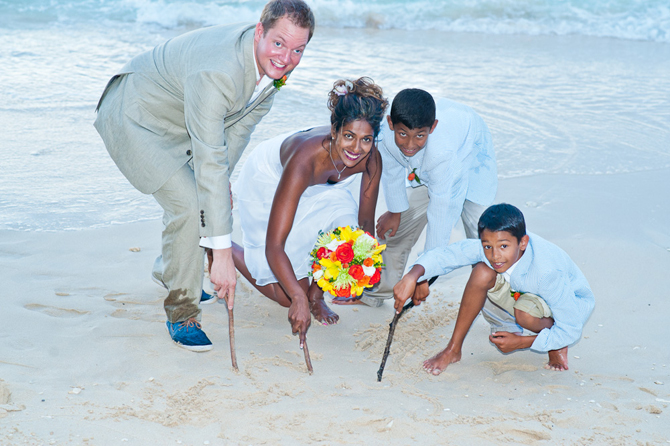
{"points": [[182, 257], [398, 247]]}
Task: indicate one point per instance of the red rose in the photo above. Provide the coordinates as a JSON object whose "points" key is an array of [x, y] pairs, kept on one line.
{"points": [[376, 276], [344, 253], [356, 271], [343, 292], [322, 252]]}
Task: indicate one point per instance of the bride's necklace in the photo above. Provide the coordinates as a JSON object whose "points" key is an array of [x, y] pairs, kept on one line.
{"points": [[330, 152]]}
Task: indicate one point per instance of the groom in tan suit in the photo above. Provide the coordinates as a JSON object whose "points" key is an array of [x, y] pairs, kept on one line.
{"points": [[176, 120]]}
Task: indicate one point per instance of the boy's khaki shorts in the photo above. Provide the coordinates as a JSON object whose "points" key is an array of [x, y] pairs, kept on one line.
{"points": [[530, 303]]}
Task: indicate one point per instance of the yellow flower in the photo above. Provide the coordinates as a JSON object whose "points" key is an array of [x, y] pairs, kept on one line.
{"points": [[331, 269], [325, 285], [346, 233]]}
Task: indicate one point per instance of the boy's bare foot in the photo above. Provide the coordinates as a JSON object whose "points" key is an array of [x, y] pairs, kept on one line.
{"points": [[322, 313], [439, 362], [347, 301], [558, 360]]}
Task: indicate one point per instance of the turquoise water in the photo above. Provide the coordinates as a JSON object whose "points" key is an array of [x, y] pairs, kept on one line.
{"points": [[565, 87]]}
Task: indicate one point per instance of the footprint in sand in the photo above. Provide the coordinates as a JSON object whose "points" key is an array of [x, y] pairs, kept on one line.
{"points": [[129, 309], [55, 311], [501, 367]]}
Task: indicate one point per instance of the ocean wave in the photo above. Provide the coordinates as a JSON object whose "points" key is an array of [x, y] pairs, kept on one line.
{"points": [[625, 19]]}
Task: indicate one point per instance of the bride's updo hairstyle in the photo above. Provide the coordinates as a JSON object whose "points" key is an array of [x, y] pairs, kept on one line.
{"points": [[350, 101]]}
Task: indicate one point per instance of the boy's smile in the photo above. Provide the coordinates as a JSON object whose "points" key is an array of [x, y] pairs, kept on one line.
{"points": [[410, 141], [502, 249]]}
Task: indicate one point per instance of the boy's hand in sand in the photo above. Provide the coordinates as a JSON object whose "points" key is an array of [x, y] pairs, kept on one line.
{"points": [[222, 275], [300, 318], [389, 221], [508, 342], [404, 289]]}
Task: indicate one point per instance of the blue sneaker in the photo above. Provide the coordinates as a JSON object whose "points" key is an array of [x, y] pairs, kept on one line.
{"points": [[207, 298], [189, 335]]}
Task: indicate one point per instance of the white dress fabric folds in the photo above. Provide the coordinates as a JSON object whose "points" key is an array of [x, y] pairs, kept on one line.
{"points": [[321, 207]]}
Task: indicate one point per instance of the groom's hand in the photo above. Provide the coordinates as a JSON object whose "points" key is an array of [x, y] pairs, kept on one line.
{"points": [[223, 276]]}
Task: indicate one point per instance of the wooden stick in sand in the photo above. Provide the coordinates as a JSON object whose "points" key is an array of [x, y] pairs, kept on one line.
{"points": [[387, 350], [308, 361], [231, 337], [392, 325], [231, 319]]}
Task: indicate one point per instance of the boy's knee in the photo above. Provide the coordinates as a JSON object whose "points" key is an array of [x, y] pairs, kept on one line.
{"points": [[524, 319], [483, 276], [530, 322]]}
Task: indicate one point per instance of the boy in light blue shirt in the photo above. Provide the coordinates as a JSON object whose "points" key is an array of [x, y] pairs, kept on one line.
{"points": [[439, 167], [519, 281]]}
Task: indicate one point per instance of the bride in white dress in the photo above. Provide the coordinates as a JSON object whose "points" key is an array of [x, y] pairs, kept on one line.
{"points": [[294, 185]]}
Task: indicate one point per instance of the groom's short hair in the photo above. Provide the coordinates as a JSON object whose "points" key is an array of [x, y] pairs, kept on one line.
{"points": [[297, 11], [414, 108]]}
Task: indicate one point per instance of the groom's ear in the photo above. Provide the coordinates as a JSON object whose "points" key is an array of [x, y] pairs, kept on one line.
{"points": [[259, 32]]}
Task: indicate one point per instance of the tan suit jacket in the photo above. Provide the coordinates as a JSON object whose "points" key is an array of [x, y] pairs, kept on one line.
{"points": [[186, 99]]}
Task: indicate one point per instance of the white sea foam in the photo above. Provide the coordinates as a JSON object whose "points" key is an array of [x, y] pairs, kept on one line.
{"points": [[626, 19]]}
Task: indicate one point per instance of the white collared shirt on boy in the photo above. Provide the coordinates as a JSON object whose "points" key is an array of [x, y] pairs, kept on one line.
{"points": [[457, 163]]}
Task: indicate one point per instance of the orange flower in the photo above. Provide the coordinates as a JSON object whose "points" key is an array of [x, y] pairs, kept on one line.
{"points": [[343, 292], [368, 262], [356, 271]]}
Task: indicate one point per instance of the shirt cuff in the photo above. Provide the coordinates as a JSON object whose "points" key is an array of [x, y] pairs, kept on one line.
{"points": [[216, 242]]}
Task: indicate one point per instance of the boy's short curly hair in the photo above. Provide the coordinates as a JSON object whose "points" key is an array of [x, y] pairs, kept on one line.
{"points": [[503, 217], [414, 108]]}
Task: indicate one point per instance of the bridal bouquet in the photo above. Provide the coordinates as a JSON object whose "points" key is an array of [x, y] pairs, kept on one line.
{"points": [[346, 260]]}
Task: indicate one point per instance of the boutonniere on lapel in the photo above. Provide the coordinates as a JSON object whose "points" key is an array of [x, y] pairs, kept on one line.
{"points": [[278, 83], [413, 176]]}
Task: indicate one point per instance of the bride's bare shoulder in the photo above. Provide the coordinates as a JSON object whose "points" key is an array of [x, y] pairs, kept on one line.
{"points": [[306, 143]]}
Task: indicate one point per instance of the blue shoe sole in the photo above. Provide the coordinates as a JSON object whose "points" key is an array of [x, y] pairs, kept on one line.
{"points": [[206, 298], [193, 348]]}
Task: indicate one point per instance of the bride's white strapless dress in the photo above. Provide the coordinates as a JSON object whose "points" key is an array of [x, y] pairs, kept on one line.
{"points": [[321, 207]]}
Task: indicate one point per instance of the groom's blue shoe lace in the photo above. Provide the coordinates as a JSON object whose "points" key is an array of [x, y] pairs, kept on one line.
{"points": [[189, 335]]}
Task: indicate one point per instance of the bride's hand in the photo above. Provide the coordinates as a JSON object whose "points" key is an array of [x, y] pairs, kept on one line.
{"points": [[300, 317]]}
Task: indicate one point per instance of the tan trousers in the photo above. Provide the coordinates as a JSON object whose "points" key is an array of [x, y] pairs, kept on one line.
{"points": [[180, 266], [398, 247], [499, 307]]}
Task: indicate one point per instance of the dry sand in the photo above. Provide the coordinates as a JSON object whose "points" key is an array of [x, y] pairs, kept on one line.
{"points": [[86, 359]]}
